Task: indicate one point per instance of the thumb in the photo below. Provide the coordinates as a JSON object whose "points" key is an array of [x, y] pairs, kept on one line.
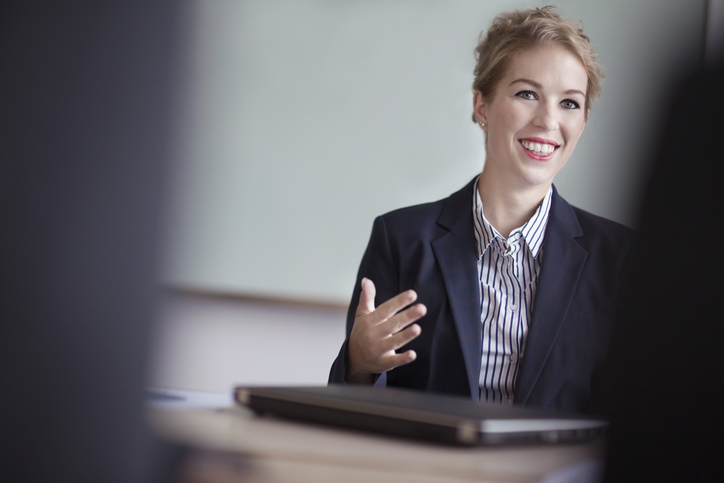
{"points": [[367, 297]]}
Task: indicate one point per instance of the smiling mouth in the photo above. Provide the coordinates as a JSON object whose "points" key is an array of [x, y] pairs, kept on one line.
{"points": [[539, 149]]}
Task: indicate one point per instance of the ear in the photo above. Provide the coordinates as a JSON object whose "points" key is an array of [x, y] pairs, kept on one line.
{"points": [[480, 108]]}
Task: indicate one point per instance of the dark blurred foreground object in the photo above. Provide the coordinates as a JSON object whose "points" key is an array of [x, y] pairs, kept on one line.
{"points": [[663, 389], [85, 96]]}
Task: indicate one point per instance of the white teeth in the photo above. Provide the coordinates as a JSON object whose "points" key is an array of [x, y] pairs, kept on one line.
{"points": [[538, 148]]}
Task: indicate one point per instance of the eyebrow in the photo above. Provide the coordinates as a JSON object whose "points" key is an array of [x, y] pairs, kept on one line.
{"points": [[539, 86]]}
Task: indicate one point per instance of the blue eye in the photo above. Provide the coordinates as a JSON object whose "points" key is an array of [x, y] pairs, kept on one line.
{"points": [[530, 95], [569, 104]]}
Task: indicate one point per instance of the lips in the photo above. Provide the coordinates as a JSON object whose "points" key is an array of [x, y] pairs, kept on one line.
{"points": [[539, 149]]}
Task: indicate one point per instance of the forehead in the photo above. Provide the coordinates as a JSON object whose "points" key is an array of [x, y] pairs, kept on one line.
{"points": [[551, 66]]}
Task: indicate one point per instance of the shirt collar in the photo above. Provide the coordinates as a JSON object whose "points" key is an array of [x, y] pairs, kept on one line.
{"points": [[533, 231]]}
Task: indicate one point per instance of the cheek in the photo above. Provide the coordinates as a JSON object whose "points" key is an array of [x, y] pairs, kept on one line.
{"points": [[581, 126], [508, 124], [574, 130], [517, 116]]}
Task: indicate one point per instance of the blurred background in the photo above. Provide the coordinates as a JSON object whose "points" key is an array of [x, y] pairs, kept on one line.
{"points": [[298, 122], [187, 187]]}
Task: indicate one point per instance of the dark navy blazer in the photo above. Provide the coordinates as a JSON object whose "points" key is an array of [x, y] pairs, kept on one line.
{"points": [[430, 248]]}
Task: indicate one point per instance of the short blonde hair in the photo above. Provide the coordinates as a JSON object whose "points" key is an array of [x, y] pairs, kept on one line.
{"points": [[513, 32]]}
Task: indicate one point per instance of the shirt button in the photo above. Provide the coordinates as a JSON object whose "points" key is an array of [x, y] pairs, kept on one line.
{"points": [[513, 307], [509, 402], [513, 357]]}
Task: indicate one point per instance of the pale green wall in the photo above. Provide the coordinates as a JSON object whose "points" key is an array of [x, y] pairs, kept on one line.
{"points": [[302, 120]]}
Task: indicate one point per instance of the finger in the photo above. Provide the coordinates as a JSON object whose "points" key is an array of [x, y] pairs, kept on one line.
{"points": [[396, 360], [403, 319], [401, 338], [394, 305], [367, 297]]}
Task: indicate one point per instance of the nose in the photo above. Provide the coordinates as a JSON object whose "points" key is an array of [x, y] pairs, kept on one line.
{"points": [[545, 117]]}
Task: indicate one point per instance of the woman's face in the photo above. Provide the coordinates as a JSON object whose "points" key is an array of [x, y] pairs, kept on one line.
{"points": [[535, 117]]}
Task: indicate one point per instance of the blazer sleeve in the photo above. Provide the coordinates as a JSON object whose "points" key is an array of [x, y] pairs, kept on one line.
{"points": [[381, 267]]}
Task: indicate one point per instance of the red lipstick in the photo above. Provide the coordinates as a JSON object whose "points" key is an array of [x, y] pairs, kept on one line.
{"points": [[543, 142]]}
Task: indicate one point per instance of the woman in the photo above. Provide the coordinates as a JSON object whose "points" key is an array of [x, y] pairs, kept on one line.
{"points": [[516, 288]]}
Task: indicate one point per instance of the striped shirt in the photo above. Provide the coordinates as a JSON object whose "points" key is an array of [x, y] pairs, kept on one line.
{"points": [[508, 273]]}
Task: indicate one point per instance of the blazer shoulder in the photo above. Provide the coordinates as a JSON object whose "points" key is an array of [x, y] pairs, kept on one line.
{"points": [[605, 231], [586, 227], [589, 220], [415, 213], [441, 214], [411, 225]]}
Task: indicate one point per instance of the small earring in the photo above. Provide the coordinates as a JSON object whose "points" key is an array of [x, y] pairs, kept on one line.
{"points": [[482, 124]]}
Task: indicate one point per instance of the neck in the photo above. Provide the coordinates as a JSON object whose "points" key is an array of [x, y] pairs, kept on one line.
{"points": [[508, 208]]}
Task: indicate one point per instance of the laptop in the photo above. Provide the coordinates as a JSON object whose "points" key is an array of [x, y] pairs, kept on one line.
{"points": [[420, 415]]}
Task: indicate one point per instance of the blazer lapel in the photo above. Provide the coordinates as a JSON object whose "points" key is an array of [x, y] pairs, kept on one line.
{"points": [[455, 254], [561, 267]]}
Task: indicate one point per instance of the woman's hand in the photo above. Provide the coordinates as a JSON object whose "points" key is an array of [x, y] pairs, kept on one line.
{"points": [[377, 333]]}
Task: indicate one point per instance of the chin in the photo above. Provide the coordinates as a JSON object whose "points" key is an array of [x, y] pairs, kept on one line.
{"points": [[533, 180]]}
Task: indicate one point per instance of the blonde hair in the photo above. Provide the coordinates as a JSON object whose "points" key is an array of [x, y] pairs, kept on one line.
{"points": [[513, 32]]}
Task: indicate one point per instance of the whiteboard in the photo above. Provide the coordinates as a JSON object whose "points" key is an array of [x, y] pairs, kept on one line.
{"points": [[300, 121]]}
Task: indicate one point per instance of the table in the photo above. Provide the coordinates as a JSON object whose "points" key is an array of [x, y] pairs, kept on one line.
{"points": [[275, 450]]}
